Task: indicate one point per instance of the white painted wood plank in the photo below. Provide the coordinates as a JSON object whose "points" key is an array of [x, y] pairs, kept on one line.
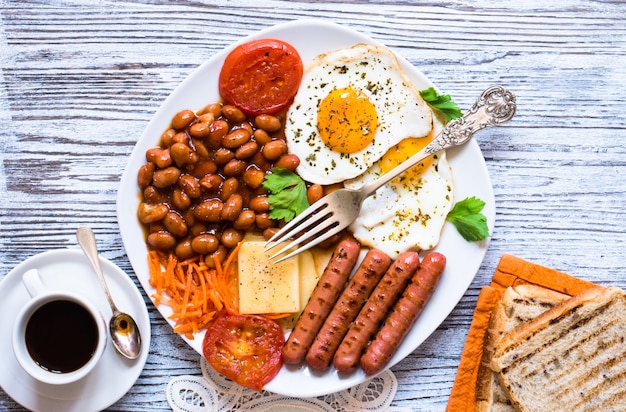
{"points": [[79, 81]]}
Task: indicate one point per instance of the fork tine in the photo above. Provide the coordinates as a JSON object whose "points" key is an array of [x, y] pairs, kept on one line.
{"points": [[337, 228], [313, 227], [294, 226]]}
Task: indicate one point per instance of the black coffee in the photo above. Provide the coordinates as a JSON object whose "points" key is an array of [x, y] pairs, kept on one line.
{"points": [[61, 336]]}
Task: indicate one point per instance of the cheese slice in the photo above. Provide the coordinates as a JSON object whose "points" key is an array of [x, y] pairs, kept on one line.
{"points": [[264, 286], [309, 276]]}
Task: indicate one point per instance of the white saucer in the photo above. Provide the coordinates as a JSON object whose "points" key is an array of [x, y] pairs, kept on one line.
{"points": [[114, 375]]}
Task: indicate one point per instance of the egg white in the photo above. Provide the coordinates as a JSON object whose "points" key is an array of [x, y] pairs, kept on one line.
{"points": [[374, 71], [406, 213]]}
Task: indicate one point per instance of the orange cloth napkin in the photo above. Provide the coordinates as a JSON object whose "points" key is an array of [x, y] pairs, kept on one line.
{"points": [[511, 271]]}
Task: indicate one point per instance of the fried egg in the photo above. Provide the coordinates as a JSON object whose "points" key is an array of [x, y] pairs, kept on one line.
{"points": [[409, 212], [352, 106]]}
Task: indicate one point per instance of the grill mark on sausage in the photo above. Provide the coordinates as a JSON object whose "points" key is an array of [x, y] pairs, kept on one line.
{"points": [[321, 301], [371, 316], [359, 288], [406, 310]]}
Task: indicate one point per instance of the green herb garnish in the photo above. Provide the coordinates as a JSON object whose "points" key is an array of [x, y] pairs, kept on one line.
{"points": [[287, 196], [441, 102], [466, 217]]}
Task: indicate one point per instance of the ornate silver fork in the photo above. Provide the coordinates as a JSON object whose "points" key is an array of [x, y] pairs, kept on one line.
{"points": [[340, 208]]}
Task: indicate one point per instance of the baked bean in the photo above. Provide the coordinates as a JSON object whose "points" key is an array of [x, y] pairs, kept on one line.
{"points": [[160, 157], [268, 123], [180, 199], [209, 210], [182, 119], [183, 154], [184, 250], [152, 195], [232, 207], [259, 204], [229, 188], [263, 221], [149, 213], [181, 137], [231, 237], [211, 182], [253, 177], [288, 161], [221, 254], [314, 193], [188, 216], [260, 161], [167, 136], [164, 159], [200, 149], [223, 156], [217, 130], [274, 149], [204, 167], [204, 244], [175, 224], [269, 232], [246, 150], [165, 177], [233, 113], [234, 167], [197, 228], [161, 240], [261, 136], [190, 185], [236, 138], [213, 108], [331, 241], [144, 176], [199, 130], [243, 125], [207, 118], [245, 220], [156, 227]]}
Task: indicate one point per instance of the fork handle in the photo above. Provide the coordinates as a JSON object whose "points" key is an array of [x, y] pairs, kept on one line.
{"points": [[495, 106]]}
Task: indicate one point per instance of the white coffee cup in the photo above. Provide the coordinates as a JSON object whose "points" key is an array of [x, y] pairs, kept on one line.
{"points": [[58, 336]]}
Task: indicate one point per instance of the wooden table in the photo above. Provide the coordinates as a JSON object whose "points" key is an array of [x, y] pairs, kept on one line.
{"points": [[79, 81]]}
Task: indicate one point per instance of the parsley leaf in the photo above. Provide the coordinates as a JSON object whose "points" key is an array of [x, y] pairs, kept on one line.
{"points": [[287, 194], [466, 217], [441, 102]]}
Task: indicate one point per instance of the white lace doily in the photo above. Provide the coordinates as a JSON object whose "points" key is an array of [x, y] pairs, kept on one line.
{"points": [[213, 392]]}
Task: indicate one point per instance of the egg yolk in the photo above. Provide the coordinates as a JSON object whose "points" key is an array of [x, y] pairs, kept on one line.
{"points": [[401, 152], [347, 120]]}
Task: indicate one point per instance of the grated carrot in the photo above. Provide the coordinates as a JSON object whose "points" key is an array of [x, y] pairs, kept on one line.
{"points": [[193, 291]]}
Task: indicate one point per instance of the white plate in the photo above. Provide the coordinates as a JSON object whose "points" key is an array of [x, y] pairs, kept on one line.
{"points": [[69, 269], [310, 38]]}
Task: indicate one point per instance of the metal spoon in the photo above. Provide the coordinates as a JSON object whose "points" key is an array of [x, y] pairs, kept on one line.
{"points": [[123, 328]]}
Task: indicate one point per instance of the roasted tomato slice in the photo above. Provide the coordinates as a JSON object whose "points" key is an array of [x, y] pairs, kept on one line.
{"points": [[261, 76], [245, 348]]}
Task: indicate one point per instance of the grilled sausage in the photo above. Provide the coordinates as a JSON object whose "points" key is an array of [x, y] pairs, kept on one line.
{"points": [[321, 301], [374, 311], [321, 353], [404, 314]]}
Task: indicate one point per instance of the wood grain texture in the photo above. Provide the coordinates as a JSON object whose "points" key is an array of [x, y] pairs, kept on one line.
{"points": [[80, 80]]}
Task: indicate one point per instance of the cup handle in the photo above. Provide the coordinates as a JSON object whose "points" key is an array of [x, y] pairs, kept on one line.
{"points": [[33, 283]]}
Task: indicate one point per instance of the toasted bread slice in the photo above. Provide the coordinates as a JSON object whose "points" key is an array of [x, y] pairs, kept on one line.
{"points": [[570, 358], [519, 304]]}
